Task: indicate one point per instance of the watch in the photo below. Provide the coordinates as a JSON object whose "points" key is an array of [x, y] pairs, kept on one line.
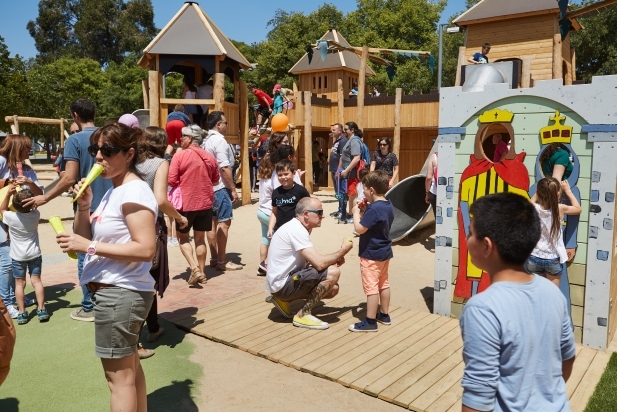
{"points": [[92, 248]]}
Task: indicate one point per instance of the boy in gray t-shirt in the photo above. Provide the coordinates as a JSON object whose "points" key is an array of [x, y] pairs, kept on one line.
{"points": [[518, 340]]}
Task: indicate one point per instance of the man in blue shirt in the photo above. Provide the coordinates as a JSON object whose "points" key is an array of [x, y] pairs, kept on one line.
{"points": [[78, 163], [480, 58], [518, 344]]}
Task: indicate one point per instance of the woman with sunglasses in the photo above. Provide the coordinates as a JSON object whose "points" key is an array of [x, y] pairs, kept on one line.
{"points": [[13, 153], [384, 160], [119, 240]]}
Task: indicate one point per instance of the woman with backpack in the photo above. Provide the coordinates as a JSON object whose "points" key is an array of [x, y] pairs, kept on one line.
{"points": [[354, 157]]}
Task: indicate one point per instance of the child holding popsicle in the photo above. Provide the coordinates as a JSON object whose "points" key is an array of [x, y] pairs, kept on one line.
{"points": [[25, 250]]}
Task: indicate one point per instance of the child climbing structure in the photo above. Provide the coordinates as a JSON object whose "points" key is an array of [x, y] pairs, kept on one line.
{"points": [[581, 118]]}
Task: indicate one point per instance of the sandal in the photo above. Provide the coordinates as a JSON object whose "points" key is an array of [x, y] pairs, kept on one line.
{"points": [[196, 276]]}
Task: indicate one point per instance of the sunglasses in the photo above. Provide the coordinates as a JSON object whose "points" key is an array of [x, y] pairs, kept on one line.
{"points": [[106, 150], [317, 212], [383, 144]]}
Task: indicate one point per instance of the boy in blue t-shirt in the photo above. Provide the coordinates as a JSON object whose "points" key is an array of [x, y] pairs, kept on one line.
{"points": [[480, 58], [518, 344], [373, 226]]}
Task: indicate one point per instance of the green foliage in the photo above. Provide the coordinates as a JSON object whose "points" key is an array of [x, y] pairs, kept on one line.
{"points": [[596, 45], [173, 85], [604, 397], [13, 86], [470, 3], [102, 30]]}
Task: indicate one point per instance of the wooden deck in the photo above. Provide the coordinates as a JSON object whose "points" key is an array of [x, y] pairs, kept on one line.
{"points": [[415, 363]]}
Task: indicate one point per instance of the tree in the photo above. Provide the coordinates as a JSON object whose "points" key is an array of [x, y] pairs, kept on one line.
{"points": [[13, 86], [102, 30], [596, 45]]}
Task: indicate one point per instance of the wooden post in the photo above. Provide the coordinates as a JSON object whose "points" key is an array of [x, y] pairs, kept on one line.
{"points": [[153, 97], [219, 91], [308, 144], [341, 102], [362, 87], [573, 63], [298, 115], [15, 124], [396, 139], [526, 75], [568, 74], [144, 92], [460, 62], [244, 147], [557, 55], [62, 132]]}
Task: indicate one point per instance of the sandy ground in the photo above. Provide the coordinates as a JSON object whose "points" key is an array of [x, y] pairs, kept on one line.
{"points": [[235, 380]]}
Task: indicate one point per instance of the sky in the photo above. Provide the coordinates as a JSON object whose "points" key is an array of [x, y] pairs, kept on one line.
{"points": [[241, 20]]}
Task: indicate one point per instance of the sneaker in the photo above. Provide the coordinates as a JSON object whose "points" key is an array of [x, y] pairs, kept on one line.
{"points": [[174, 242], [383, 318], [263, 266], [22, 318], [363, 326], [213, 263], [144, 353], [83, 315], [336, 214], [261, 272], [152, 337], [310, 322], [196, 276], [29, 301], [65, 194], [283, 307], [42, 314], [229, 265], [13, 311], [349, 220]]}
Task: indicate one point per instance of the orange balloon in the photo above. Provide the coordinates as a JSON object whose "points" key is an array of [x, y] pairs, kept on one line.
{"points": [[279, 122]]}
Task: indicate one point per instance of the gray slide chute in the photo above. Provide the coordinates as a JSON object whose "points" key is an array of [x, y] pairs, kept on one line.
{"points": [[411, 212]]}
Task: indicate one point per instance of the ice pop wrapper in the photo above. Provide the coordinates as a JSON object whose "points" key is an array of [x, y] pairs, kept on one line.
{"points": [[96, 170], [20, 169], [58, 226]]}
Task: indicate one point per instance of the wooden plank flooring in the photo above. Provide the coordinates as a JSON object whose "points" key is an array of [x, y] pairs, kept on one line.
{"points": [[415, 363]]}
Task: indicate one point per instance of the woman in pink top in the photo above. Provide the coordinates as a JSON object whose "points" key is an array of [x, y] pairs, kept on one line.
{"points": [[501, 149], [195, 172]]}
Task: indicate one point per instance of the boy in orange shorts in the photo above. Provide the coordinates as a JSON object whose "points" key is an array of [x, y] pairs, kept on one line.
{"points": [[373, 223]]}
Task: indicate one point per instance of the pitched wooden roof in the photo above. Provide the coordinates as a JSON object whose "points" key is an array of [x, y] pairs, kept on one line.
{"points": [[192, 32], [334, 60], [493, 9]]}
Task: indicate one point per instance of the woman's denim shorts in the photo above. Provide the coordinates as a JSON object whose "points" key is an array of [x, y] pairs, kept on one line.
{"points": [[543, 267], [119, 314]]}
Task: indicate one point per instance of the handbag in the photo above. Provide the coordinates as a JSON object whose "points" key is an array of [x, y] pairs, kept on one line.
{"points": [[175, 197], [156, 260]]}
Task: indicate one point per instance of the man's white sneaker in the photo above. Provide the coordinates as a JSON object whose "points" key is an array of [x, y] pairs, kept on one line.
{"points": [[13, 312]]}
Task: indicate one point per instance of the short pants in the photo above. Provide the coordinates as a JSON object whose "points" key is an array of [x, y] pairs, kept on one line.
{"points": [[374, 275], [223, 209], [308, 279], [33, 266], [352, 186], [543, 267], [119, 314], [174, 132], [199, 220]]}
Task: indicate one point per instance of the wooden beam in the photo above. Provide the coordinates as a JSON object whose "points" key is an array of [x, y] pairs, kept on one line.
{"points": [[187, 101], [153, 83], [62, 132], [219, 91], [33, 120], [244, 147], [308, 144], [461, 62], [144, 92], [573, 63], [16, 124], [526, 73], [362, 87], [396, 139], [557, 55], [341, 102]]}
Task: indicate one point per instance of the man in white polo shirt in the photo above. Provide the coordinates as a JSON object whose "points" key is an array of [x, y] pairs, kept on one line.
{"points": [[297, 271]]}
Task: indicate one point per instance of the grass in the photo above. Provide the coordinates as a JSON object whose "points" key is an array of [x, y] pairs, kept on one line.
{"points": [[54, 367], [604, 398]]}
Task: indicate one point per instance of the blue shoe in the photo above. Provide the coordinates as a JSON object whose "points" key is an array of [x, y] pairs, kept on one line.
{"points": [[22, 318], [43, 315], [29, 301], [383, 318], [363, 326]]}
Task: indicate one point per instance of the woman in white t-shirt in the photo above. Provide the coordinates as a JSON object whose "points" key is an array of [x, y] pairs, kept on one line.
{"points": [[119, 240]]}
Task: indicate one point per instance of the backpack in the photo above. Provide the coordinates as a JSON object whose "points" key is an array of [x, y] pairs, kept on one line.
{"points": [[365, 155]]}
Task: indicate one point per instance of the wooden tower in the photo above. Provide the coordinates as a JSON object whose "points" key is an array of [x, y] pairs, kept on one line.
{"points": [[521, 29]]}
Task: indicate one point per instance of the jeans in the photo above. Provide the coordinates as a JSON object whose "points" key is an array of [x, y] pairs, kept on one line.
{"points": [[342, 196], [543, 267], [7, 282], [86, 301]]}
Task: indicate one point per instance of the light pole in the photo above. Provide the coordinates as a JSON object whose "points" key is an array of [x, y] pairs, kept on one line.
{"points": [[454, 29]]}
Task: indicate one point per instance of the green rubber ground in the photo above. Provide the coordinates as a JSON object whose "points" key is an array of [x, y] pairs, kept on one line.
{"points": [[54, 367]]}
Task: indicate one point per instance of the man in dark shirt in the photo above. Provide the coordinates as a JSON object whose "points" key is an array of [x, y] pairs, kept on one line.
{"points": [[340, 140]]}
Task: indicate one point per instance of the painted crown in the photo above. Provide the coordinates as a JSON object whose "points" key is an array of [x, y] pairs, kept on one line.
{"points": [[496, 116], [556, 133]]}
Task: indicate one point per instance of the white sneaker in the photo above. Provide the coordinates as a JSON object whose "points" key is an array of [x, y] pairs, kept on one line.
{"points": [[65, 194], [173, 242], [13, 312]]}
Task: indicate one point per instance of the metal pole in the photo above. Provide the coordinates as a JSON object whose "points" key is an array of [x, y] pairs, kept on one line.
{"points": [[440, 56]]}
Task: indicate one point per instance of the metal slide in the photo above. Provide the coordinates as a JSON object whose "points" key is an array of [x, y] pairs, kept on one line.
{"points": [[410, 209]]}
